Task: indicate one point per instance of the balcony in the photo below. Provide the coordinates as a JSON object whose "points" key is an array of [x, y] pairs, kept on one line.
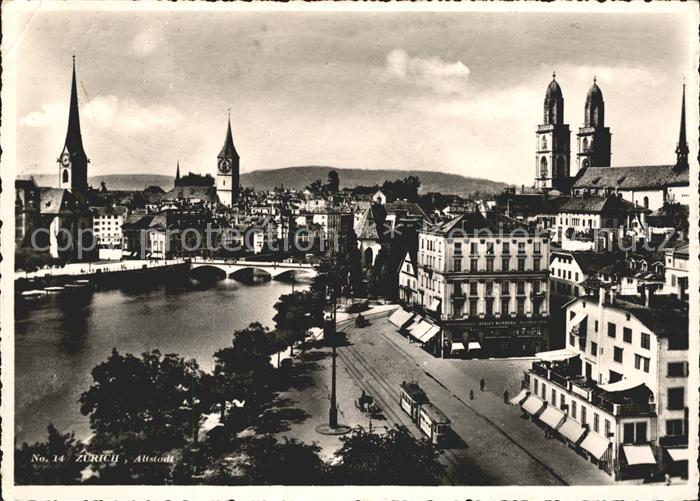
{"points": [[459, 296]]}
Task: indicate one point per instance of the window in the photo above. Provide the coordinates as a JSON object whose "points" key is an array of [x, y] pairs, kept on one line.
{"points": [[677, 369], [536, 264], [504, 306], [489, 288], [458, 248], [607, 428], [537, 247], [489, 264], [489, 306], [573, 409], [505, 288], [554, 397], [596, 326], [596, 422], [637, 361], [65, 176], [474, 264], [646, 340], [536, 387], [457, 265], [676, 400], [506, 248], [544, 391], [521, 287], [536, 286], [562, 401], [594, 348], [472, 288], [634, 433], [521, 264], [521, 247], [474, 247], [572, 340], [583, 415], [521, 306], [674, 427], [505, 264], [612, 329], [627, 334], [489, 248], [617, 354], [472, 307]]}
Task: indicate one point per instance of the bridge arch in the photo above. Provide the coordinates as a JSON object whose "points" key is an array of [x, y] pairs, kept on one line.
{"points": [[251, 274], [208, 273]]}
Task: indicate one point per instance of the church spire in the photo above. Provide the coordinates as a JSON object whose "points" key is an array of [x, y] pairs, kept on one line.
{"points": [[177, 173], [682, 146], [73, 160], [74, 138], [229, 150]]}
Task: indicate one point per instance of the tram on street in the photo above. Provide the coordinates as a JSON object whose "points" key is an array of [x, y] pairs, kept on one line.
{"points": [[430, 420]]}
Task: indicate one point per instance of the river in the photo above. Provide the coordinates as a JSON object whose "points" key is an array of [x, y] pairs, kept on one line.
{"points": [[60, 338]]}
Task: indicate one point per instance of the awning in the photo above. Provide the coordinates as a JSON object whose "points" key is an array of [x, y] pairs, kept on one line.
{"points": [[552, 416], [532, 405], [576, 322], [518, 399], [430, 334], [621, 385], [595, 444], [415, 318], [639, 454], [473, 345], [571, 430], [456, 345], [420, 329], [400, 317], [556, 355], [434, 305], [680, 454]]}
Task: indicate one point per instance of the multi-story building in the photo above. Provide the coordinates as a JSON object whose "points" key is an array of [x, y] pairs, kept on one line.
{"points": [[27, 208], [484, 283], [676, 272], [618, 392], [107, 229]]}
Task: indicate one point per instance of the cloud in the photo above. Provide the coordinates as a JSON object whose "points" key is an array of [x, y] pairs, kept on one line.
{"points": [[434, 73], [148, 40], [109, 112]]}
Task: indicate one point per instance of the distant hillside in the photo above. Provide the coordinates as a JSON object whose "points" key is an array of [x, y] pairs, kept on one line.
{"points": [[301, 177]]}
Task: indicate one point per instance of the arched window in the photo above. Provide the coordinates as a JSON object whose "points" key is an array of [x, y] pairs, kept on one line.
{"points": [[369, 257], [65, 175], [544, 142], [646, 202], [585, 144], [543, 167]]}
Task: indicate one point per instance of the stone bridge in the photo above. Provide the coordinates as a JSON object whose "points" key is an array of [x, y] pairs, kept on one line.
{"points": [[276, 270]]}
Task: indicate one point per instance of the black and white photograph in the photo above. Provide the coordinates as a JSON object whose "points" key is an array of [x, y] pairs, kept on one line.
{"points": [[426, 251]]}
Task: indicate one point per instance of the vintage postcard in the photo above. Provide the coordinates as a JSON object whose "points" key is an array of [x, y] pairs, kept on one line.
{"points": [[349, 251]]}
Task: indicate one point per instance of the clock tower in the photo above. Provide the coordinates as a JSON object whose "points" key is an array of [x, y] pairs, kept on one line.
{"points": [[72, 162], [227, 171]]}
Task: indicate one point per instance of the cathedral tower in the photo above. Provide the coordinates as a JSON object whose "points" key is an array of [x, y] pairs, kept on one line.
{"points": [[553, 143], [682, 146], [227, 174], [594, 136], [72, 162]]}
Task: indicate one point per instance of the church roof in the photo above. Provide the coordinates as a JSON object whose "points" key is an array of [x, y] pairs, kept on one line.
{"points": [[633, 177], [553, 90], [595, 203], [594, 93], [74, 140], [229, 150]]}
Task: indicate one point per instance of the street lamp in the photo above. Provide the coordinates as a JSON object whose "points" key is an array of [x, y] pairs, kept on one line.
{"points": [[330, 333]]}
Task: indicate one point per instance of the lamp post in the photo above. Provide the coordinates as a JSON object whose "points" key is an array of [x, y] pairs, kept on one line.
{"points": [[331, 336]]}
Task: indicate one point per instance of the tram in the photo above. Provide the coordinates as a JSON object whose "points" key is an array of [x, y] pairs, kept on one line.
{"points": [[430, 420]]}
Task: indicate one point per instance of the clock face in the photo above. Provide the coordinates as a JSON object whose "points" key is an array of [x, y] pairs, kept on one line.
{"points": [[225, 165], [65, 159]]}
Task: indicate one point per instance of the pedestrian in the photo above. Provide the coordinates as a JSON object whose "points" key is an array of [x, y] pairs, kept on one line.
{"points": [[471, 394], [482, 384], [667, 477], [505, 397]]}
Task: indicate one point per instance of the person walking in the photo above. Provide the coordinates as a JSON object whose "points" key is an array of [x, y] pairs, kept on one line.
{"points": [[471, 394], [505, 396], [482, 384]]}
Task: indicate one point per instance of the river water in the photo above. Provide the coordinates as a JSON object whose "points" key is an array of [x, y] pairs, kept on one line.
{"points": [[60, 338]]}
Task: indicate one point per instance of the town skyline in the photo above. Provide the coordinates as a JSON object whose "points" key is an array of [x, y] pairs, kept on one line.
{"points": [[443, 87]]}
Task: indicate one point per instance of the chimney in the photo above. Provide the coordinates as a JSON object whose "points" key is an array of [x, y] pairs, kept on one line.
{"points": [[601, 296]]}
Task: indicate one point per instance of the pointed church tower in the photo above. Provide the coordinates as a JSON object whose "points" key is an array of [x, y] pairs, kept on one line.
{"points": [[177, 173], [682, 146], [72, 162], [228, 175], [594, 137], [553, 143]]}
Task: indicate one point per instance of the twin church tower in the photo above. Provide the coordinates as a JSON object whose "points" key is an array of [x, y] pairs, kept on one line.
{"points": [[73, 161], [553, 157]]}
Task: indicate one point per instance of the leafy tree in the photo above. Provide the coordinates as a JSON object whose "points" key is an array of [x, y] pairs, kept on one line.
{"points": [[243, 372], [287, 463], [402, 189], [153, 400], [60, 452], [333, 184], [391, 458], [297, 313], [316, 187], [192, 179]]}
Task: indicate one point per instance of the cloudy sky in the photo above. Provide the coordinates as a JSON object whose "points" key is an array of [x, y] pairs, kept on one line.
{"points": [[451, 92]]}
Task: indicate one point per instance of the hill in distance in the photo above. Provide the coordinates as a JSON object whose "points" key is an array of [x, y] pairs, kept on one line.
{"points": [[301, 177]]}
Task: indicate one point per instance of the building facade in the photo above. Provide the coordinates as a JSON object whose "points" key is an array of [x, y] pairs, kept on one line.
{"points": [[228, 177], [553, 151]]}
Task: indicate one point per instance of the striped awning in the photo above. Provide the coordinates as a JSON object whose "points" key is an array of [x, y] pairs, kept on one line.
{"points": [[639, 454], [400, 317], [419, 329], [595, 444], [552, 416], [571, 430], [518, 399], [532, 405], [430, 334]]}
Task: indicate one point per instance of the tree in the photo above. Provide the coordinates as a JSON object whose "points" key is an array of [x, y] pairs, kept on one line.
{"points": [[50, 462], [243, 372], [287, 463], [192, 179], [154, 401], [392, 458], [316, 187], [297, 313], [333, 184], [402, 189]]}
